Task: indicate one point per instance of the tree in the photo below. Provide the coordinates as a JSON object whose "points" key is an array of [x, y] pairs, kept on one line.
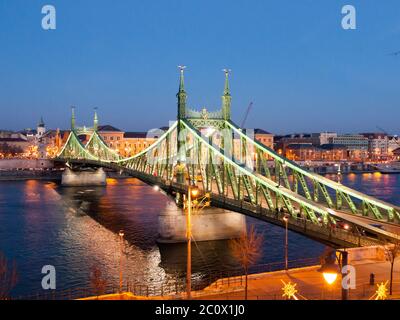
{"points": [[97, 281], [247, 250], [8, 277], [392, 251]]}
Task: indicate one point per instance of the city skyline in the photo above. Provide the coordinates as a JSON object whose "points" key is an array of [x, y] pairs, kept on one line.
{"points": [[303, 72], [103, 124]]}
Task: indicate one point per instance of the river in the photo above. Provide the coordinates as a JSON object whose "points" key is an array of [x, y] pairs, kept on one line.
{"points": [[75, 229]]}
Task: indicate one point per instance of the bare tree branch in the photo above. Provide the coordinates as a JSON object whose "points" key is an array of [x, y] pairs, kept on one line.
{"points": [[8, 277], [392, 251], [97, 281], [247, 250]]}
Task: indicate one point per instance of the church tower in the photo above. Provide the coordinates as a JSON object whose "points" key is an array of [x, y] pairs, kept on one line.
{"points": [[41, 129]]}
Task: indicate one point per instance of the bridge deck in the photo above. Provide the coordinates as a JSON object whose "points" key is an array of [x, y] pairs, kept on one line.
{"points": [[334, 237]]}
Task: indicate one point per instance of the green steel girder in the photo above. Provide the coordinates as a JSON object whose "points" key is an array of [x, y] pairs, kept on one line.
{"points": [[218, 178], [325, 193], [339, 200], [267, 196], [310, 214], [97, 147], [350, 203], [303, 184], [375, 211], [233, 181], [74, 149], [264, 165], [249, 188], [288, 205], [324, 182]]}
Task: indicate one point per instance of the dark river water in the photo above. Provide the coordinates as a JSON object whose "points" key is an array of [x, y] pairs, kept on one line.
{"points": [[74, 229]]}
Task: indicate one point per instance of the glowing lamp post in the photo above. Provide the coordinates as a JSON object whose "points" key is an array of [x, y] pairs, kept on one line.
{"points": [[193, 193], [121, 238], [330, 270], [286, 220]]}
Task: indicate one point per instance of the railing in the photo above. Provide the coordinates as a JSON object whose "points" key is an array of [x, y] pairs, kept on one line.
{"points": [[299, 223], [174, 287]]}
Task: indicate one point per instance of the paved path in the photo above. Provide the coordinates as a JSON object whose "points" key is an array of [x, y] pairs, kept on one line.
{"points": [[310, 284]]}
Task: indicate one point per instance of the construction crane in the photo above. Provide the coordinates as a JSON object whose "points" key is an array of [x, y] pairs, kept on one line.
{"points": [[246, 115]]}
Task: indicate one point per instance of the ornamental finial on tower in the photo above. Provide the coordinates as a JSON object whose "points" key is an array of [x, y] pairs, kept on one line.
{"points": [[72, 117], [95, 120], [182, 79], [226, 98], [226, 88], [181, 94]]}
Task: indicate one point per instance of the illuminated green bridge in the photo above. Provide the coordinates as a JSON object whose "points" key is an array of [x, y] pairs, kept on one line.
{"points": [[207, 149]]}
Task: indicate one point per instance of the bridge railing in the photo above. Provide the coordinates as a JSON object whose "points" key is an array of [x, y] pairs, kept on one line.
{"points": [[175, 286], [299, 223]]}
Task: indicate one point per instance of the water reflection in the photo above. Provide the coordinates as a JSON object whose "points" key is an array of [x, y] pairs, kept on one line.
{"points": [[74, 228], [383, 186]]}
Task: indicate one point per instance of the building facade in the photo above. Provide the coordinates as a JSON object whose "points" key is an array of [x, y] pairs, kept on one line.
{"points": [[128, 144], [378, 146], [326, 152], [393, 144], [356, 144], [324, 137], [265, 137]]}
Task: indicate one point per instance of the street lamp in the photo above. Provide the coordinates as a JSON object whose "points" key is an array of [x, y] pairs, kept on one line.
{"points": [[193, 193], [121, 243], [339, 172], [286, 219], [330, 270]]}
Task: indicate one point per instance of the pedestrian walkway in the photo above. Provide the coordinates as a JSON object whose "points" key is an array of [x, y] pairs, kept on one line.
{"points": [[310, 284]]}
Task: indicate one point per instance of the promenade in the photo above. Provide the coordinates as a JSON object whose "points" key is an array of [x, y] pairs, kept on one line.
{"points": [[310, 284], [268, 286]]}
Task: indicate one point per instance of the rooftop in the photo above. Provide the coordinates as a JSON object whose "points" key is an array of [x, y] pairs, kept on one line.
{"points": [[301, 146], [135, 134], [12, 140], [261, 131], [108, 128]]}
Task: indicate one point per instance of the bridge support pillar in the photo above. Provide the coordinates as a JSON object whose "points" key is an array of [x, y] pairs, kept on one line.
{"points": [[83, 178], [210, 224]]}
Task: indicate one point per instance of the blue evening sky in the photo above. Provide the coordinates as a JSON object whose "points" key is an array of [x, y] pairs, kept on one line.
{"points": [[291, 58]]}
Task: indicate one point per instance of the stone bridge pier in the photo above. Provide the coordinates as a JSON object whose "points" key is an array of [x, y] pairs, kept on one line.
{"points": [[72, 178], [209, 224]]}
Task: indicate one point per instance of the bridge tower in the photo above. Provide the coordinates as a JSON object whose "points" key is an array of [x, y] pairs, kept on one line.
{"points": [[204, 118]]}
